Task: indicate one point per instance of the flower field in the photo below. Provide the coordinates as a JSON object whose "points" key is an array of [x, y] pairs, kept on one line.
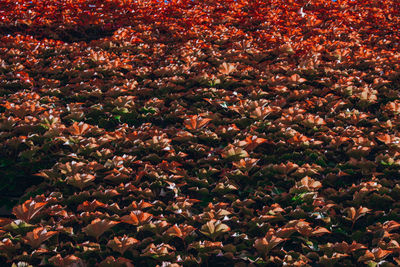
{"points": [[200, 133]]}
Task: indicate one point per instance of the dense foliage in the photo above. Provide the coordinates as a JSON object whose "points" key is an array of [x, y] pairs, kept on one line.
{"points": [[200, 132]]}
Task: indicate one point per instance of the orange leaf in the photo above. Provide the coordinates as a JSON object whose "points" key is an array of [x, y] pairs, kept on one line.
{"points": [[121, 244], [320, 231], [391, 225], [174, 231], [69, 260], [38, 236], [354, 214], [28, 210], [196, 122], [97, 227], [91, 206], [296, 79], [80, 180], [384, 138], [180, 231], [380, 254], [265, 244], [78, 128], [227, 68], [137, 217], [251, 142]]}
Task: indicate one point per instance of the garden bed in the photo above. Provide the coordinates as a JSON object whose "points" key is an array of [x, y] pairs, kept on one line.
{"points": [[211, 133]]}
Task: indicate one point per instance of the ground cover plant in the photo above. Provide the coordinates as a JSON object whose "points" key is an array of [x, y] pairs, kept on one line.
{"points": [[212, 133]]}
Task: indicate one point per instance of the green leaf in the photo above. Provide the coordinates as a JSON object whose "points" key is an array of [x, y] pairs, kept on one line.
{"points": [[298, 198]]}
